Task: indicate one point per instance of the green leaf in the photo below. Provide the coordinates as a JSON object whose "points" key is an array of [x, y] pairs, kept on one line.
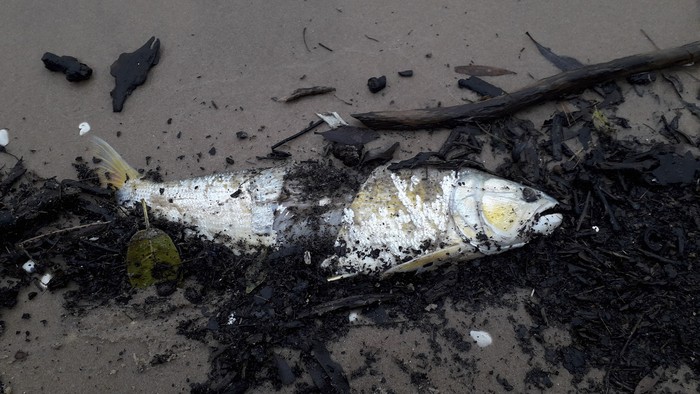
{"points": [[152, 258], [600, 122]]}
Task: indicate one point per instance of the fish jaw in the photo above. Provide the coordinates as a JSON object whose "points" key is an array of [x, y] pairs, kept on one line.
{"points": [[546, 224]]}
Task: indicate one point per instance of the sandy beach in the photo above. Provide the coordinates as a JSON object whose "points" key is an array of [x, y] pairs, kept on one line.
{"points": [[220, 65]]}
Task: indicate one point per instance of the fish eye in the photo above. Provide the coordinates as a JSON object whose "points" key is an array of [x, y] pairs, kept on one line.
{"points": [[530, 195]]}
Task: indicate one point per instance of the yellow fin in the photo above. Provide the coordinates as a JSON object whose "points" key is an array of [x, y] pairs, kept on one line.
{"points": [[428, 261], [112, 169]]}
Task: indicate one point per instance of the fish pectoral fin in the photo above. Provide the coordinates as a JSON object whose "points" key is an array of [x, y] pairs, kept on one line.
{"points": [[333, 261], [427, 261], [340, 276]]}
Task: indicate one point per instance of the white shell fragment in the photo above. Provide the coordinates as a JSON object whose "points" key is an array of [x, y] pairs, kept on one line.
{"points": [[4, 137], [44, 281], [29, 267], [84, 128], [352, 317], [332, 119], [482, 338]]}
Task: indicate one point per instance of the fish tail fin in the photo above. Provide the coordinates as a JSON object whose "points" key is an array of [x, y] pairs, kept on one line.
{"points": [[112, 169]]}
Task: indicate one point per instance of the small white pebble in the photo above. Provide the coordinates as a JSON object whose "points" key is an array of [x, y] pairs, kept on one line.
{"points": [[84, 128], [352, 317], [596, 228], [482, 338], [332, 119], [29, 266], [44, 281], [4, 137]]}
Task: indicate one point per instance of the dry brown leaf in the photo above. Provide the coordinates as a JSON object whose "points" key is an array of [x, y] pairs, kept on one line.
{"points": [[480, 71]]}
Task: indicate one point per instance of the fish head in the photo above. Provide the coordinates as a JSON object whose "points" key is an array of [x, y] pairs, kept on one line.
{"points": [[495, 214]]}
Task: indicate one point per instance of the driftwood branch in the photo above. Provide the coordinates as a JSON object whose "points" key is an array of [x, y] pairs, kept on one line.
{"points": [[544, 90]]}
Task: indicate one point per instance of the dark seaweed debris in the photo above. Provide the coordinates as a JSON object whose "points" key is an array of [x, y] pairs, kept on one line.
{"points": [[564, 63], [621, 274], [480, 71], [622, 269], [481, 87], [131, 69], [376, 84], [610, 91], [304, 92], [349, 135], [74, 70]]}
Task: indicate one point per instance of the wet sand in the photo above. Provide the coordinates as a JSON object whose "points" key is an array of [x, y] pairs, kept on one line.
{"points": [[221, 63]]}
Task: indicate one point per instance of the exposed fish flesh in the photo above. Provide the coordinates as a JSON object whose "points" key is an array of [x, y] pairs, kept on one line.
{"points": [[398, 221]]}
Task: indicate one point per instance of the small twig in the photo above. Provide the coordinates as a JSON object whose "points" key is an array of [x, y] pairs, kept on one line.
{"points": [[63, 230], [145, 213], [343, 101], [629, 338], [299, 134], [589, 291], [650, 312], [325, 47], [608, 209], [616, 254], [544, 316], [494, 136], [584, 212], [371, 38], [605, 325], [303, 92], [303, 34], [650, 40], [4, 150], [657, 257]]}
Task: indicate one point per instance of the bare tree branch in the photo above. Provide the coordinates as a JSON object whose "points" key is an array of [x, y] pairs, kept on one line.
{"points": [[544, 90]]}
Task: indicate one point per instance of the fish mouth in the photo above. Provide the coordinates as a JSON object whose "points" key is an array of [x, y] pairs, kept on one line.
{"points": [[547, 221]]}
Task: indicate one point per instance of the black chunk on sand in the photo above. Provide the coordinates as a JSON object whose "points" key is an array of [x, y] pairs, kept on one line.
{"points": [[376, 84], [70, 66], [131, 69]]}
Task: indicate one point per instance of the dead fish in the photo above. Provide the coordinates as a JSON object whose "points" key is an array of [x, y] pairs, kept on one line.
{"points": [[398, 221], [417, 219]]}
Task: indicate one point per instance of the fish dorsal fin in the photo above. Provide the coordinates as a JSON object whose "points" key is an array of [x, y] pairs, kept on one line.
{"points": [[433, 259]]}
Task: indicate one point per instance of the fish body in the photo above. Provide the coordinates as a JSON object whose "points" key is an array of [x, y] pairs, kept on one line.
{"points": [[395, 221], [417, 219], [236, 207]]}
